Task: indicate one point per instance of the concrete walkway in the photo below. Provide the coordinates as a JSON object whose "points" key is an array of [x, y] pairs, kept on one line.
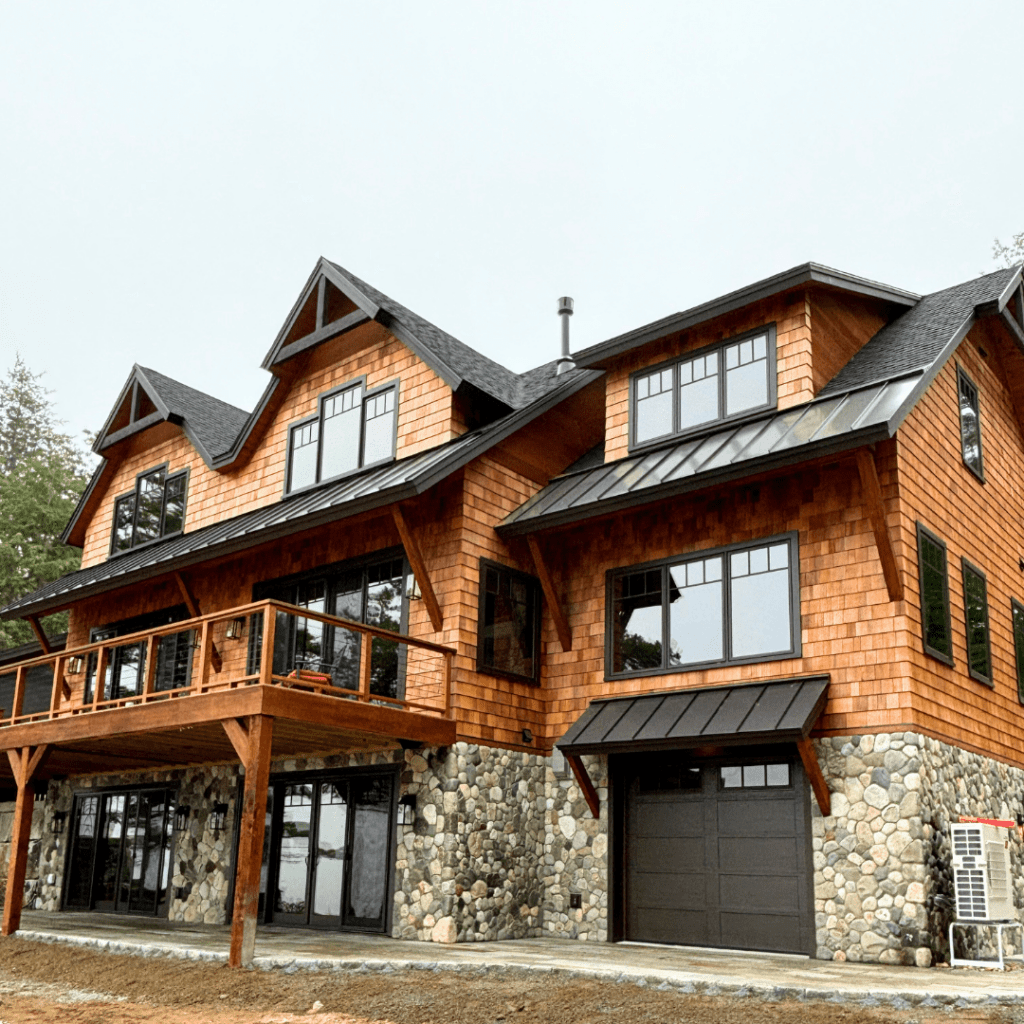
{"points": [[710, 972]]}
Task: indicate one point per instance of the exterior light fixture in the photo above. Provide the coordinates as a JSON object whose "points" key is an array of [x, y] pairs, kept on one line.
{"points": [[407, 809], [59, 821], [235, 629], [527, 736], [218, 818], [73, 666], [181, 818]]}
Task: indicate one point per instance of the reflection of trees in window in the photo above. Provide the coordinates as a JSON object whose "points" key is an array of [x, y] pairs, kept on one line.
{"points": [[1018, 645], [509, 621], [155, 509], [934, 595], [970, 423]]}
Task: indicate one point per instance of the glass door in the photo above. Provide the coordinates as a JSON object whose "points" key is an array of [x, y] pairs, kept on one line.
{"points": [[330, 852]]}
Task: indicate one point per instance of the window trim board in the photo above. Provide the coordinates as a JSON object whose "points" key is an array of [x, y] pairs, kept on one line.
{"points": [[770, 329], [792, 537]]}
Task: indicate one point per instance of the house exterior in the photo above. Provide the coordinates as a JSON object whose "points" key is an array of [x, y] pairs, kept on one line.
{"points": [[704, 640]]}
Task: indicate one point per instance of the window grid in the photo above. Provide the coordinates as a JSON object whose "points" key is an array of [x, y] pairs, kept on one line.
{"points": [[730, 380], [651, 628], [155, 509]]}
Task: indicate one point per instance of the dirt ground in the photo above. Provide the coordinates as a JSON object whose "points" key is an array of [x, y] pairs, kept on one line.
{"points": [[50, 984]]}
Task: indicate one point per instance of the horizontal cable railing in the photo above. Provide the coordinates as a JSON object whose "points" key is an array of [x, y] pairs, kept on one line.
{"points": [[267, 643]]}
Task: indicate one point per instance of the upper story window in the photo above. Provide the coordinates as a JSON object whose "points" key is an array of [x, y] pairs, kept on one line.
{"points": [[729, 380], [720, 607], [1017, 612], [934, 582], [979, 654], [353, 428], [970, 423], [509, 623], [156, 508]]}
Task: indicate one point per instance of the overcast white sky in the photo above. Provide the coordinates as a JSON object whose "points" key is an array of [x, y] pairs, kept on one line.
{"points": [[171, 173]]}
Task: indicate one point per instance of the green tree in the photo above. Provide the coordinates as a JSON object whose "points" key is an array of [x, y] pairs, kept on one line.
{"points": [[42, 474], [1009, 255]]}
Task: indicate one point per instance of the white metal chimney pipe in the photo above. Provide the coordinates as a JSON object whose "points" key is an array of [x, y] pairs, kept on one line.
{"points": [[565, 361]]}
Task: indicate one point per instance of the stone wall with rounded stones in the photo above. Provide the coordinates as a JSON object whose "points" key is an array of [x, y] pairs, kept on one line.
{"points": [[884, 851], [957, 782], [201, 859]]}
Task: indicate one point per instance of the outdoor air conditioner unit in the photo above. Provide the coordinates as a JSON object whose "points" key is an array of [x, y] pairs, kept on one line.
{"points": [[981, 873]]}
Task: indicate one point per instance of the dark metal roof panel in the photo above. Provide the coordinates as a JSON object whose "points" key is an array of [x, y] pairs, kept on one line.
{"points": [[782, 711]]}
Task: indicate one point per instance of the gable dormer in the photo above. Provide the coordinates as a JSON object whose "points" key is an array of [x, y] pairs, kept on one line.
{"points": [[772, 345]]}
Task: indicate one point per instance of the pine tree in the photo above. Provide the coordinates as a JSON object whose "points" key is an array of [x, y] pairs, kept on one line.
{"points": [[42, 474]]}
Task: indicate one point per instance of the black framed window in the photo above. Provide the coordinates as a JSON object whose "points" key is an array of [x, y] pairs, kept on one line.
{"points": [[374, 591], [155, 509], [753, 776], [353, 428], [731, 379], [509, 622], [934, 580], [726, 606], [970, 423], [979, 653], [1017, 612]]}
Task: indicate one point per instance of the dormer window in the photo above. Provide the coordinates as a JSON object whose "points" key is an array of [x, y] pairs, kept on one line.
{"points": [[155, 509], [723, 382], [354, 428]]}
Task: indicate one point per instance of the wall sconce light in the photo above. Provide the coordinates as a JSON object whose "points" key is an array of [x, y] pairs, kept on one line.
{"points": [[59, 821], [73, 666], [407, 809], [527, 736], [235, 629], [218, 818], [415, 594], [181, 818]]}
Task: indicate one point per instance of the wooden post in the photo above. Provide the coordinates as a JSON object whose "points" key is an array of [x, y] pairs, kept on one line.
{"points": [[419, 567], [149, 679], [365, 664], [204, 658], [44, 641], [24, 764], [586, 784], [58, 685], [250, 842], [449, 710], [267, 650], [871, 488], [19, 692], [102, 657], [814, 776]]}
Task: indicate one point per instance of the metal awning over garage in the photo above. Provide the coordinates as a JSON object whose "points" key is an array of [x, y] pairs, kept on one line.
{"points": [[778, 712]]}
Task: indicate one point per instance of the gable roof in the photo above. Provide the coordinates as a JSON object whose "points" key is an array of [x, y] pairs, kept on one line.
{"points": [[805, 273], [866, 402], [375, 488]]}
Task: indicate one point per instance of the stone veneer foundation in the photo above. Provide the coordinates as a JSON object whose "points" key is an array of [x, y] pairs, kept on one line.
{"points": [[500, 840]]}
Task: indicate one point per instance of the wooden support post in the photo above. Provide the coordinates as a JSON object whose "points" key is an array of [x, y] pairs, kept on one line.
{"points": [[872, 491], [547, 584], [58, 685], [267, 650], [419, 568], [585, 783], [19, 692], [152, 653], [259, 733], [205, 658], [102, 657], [24, 764], [193, 609], [449, 708], [44, 641], [813, 772], [365, 665]]}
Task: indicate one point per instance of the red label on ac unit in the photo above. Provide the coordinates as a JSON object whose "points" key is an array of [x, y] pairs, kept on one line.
{"points": [[998, 822]]}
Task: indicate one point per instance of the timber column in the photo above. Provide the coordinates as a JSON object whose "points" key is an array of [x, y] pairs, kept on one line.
{"points": [[25, 762], [251, 739]]}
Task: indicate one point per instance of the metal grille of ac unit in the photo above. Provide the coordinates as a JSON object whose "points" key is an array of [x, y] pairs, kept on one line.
{"points": [[981, 873]]}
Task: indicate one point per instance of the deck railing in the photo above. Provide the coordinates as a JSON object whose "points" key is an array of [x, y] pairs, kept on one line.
{"points": [[250, 645]]}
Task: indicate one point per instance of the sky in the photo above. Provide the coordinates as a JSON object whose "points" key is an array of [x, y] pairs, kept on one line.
{"points": [[170, 174]]}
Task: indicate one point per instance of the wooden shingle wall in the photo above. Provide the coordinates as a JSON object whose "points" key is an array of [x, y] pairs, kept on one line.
{"points": [[425, 419], [982, 521], [849, 627]]}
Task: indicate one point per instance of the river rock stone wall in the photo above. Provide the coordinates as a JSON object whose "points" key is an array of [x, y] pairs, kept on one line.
{"points": [[883, 853]]}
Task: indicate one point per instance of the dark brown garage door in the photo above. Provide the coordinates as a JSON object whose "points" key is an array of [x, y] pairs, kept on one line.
{"points": [[716, 853]]}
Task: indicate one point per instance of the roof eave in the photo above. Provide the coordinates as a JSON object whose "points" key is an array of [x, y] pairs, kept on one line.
{"points": [[808, 273]]}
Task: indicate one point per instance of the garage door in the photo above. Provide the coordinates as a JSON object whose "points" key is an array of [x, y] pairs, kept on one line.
{"points": [[716, 853]]}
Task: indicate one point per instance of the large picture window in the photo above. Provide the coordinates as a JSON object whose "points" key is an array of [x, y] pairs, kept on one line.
{"points": [[509, 630], [731, 379], [729, 605], [934, 582], [979, 654], [353, 429], [970, 423], [373, 592], [155, 509]]}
